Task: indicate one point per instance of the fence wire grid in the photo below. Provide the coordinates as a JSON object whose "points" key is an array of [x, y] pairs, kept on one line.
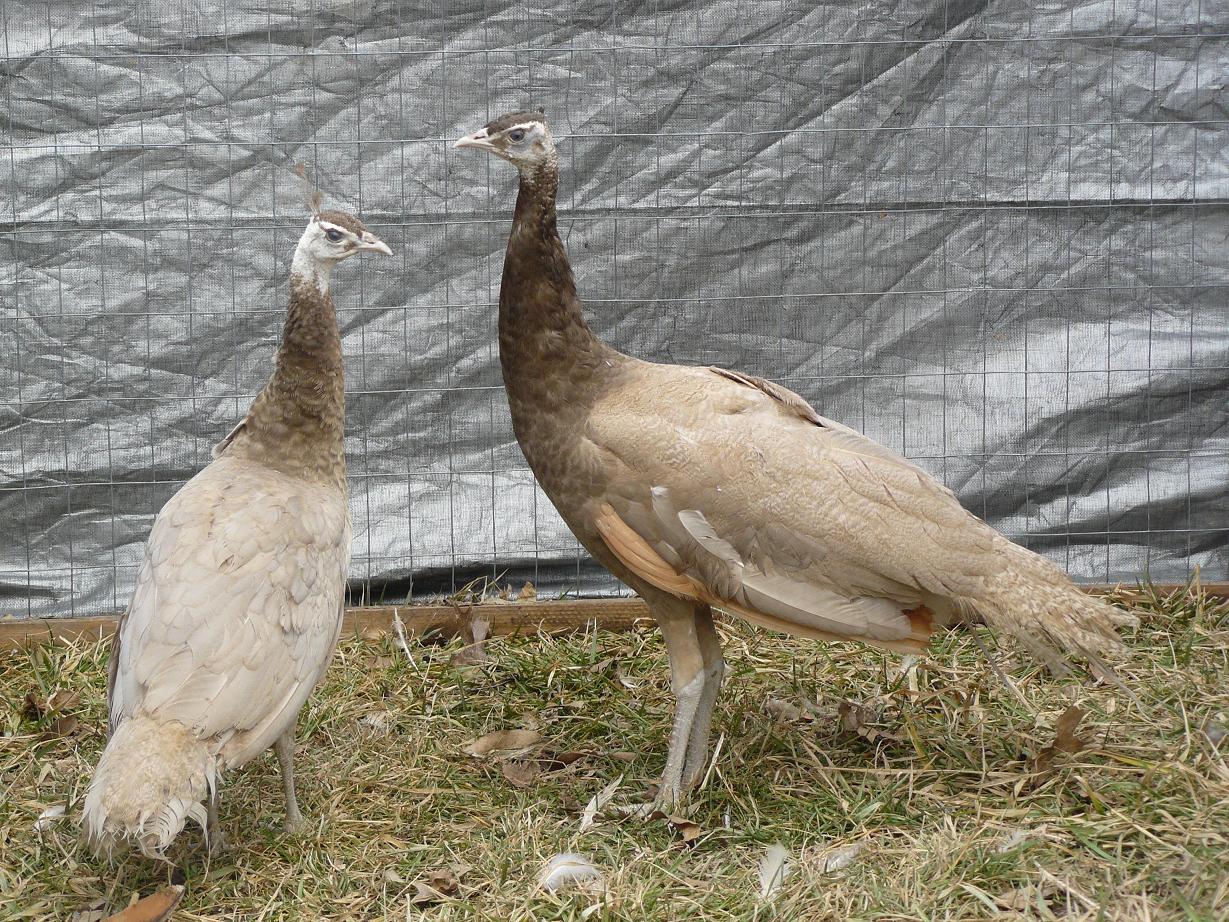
{"points": [[993, 236]]}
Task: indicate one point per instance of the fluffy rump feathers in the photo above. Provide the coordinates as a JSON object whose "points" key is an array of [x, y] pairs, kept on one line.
{"points": [[151, 779]]}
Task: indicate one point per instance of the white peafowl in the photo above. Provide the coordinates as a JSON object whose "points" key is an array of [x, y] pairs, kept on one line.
{"points": [[239, 597]]}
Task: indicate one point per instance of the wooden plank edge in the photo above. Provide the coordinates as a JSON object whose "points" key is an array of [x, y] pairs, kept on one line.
{"points": [[448, 620], [440, 620]]}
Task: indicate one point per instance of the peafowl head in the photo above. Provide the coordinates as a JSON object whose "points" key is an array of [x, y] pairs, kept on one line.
{"points": [[332, 236], [521, 138]]}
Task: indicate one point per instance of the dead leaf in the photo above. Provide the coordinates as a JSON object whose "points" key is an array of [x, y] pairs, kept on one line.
{"points": [[1020, 899], [568, 871], [521, 774], [475, 634], [503, 743], [156, 907], [554, 761], [62, 699], [439, 884], [687, 829], [1016, 900], [93, 912], [623, 756], [859, 719], [599, 800], [786, 710], [852, 717], [1065, 740], [528, 593], [33, 706], [434, 889], [624, 680]]}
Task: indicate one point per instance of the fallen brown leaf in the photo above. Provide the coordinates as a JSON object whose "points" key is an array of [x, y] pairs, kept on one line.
{"points": [[502, 743], [94, 912], [786, 710], [624, 680], [33, 706], [1065, 740], [475, 634], [857, 718], [62, 726], [62, 699], [688, 830], [1021, 899], [521, 774], [554, 761], [438, 885], [154, 908]]}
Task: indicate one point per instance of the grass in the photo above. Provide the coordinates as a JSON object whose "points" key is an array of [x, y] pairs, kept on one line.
{"points": [[938, 795]]}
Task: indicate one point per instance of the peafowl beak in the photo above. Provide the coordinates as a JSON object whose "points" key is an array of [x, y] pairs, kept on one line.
{"points": [[371, 242], [479, 139]]}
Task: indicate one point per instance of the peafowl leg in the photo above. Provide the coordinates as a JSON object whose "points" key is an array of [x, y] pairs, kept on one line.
{"points": [[214, 837], [714, 672], [688, 679], [284, 747]]}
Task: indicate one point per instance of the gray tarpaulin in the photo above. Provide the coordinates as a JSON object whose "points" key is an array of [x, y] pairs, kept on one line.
{"points": [[994, 236]]}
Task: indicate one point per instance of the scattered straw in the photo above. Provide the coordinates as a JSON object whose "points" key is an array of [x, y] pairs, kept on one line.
{"points": [[931, 782]]}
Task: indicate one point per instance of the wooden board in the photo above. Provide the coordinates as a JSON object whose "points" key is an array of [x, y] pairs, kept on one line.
{"points": [[560, 616], [504, 618]]}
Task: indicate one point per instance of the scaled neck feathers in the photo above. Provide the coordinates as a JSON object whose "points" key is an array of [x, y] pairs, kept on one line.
{"points": [[551, 360], [297, 422]]}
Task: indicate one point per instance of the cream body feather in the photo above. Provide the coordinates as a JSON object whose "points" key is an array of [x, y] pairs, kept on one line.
{"points": [[233, 622]]}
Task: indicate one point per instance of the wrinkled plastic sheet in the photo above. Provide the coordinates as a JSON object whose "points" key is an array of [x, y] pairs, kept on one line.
{"points": [[994, 236]]}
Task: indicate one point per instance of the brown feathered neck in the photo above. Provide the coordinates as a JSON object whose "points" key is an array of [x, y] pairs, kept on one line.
{"points": [[552, 362], [297, 422]]}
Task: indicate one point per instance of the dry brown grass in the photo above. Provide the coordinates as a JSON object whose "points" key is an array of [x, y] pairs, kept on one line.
{"points": [[932, 778]]}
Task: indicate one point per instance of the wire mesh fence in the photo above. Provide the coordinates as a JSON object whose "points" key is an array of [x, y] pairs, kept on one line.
{"points": [[993, 236]]}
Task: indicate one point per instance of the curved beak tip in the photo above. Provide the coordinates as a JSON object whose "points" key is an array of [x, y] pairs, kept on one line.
{"points": [[376, 245]]}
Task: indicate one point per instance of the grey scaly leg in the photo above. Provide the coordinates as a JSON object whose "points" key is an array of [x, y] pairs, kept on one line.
{"points": [[284, 747], [714, 672], [687, 679], [214, 836]]}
